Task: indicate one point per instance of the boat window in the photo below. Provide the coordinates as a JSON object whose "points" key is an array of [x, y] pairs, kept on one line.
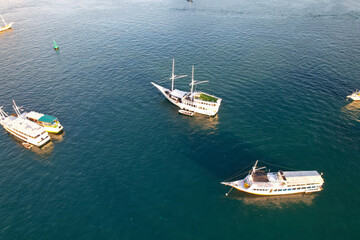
{"points": [[294, 189], [308, 187]]}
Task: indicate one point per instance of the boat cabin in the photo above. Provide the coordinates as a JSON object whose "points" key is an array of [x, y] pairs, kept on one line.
{"points": [[42, 119]]}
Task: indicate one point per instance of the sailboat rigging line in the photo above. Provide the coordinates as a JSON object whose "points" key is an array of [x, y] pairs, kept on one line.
{"points": [[237, 174], [279, 166], [164, 81]]}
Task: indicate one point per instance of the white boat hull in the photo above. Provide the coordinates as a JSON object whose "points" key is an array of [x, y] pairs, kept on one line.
{"points": [[6, 27], [239, 185], [211, 112]]}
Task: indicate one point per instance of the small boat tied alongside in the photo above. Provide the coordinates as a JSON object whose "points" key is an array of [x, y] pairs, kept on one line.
{"points": [[260, 182], [355, 96], [193, 101], [27, 145], [49, 123], [187, 113], [6, 26]]}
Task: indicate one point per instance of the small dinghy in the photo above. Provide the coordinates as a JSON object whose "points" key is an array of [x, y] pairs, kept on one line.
{"points": [[27, 145], [187, 113]]}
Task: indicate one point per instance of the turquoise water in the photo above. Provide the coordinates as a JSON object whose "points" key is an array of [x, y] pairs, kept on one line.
{"points": [[130, 167]]}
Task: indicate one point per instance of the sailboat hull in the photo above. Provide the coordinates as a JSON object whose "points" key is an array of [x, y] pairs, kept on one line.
{"points": [[186, 103]]}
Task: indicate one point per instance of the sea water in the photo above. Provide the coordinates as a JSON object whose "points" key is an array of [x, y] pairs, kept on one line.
{"points": [[130, 167]]}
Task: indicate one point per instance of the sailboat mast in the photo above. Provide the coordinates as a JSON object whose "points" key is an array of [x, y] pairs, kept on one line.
{"points": [[192, 80], [254, 167], [3, 20], [173, 75], [16, 109]]}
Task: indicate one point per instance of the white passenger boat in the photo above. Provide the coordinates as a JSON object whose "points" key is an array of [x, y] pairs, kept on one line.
{"points": [[193, 101], [6, 26], [355, 96], [50, 123], [260, 182], [24, 129]]}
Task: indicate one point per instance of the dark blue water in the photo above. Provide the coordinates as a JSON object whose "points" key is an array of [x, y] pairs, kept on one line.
{"points": [[130, 167]]}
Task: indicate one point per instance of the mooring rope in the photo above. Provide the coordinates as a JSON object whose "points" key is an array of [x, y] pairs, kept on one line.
{"points": [[229, 191]]}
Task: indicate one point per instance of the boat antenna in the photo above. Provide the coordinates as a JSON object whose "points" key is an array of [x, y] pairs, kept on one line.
{"points": [[192, 79], [16, 109], [173, 76]]}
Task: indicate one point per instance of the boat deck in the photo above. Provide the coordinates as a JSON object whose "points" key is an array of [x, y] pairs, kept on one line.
{"points": [[23, 125]]}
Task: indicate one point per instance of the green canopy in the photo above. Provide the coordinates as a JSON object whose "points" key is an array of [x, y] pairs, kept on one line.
{"points": [[47, 118]]}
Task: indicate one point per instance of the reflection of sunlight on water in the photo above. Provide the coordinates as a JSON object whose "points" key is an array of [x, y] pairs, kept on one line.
{"points": [[44, 152], [57, 137], [204, 122], [352, 110], [276, 201]]}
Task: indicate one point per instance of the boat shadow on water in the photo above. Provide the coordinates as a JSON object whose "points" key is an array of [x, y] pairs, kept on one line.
{"points": [[276, 201], [202, 122], [352, 110], [57, 137], [43, 151]]}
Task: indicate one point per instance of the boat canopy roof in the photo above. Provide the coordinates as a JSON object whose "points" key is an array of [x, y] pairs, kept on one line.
{"points": [[47, 118], [301, 177], [260, 176], [178, 93], [34, 115]]}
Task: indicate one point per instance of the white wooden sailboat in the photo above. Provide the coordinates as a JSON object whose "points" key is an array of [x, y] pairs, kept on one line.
{"points": [[6, 26], [193, 101], [260, 182]]}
